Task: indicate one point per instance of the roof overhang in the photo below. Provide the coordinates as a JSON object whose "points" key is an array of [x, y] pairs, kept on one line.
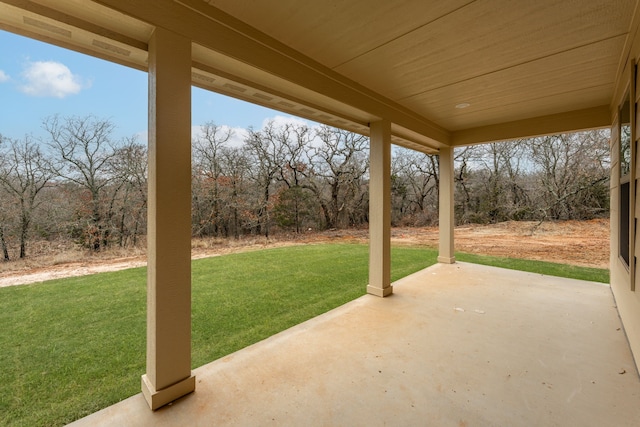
{"points": [[564, 85]]}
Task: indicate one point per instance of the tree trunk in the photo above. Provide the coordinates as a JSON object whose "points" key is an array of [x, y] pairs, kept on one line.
{"points": [[23, 239], [265, 213], [296, 211], [3, 246]]}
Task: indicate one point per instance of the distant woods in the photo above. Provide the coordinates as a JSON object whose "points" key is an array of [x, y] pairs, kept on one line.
{"points": [[79, 183]]}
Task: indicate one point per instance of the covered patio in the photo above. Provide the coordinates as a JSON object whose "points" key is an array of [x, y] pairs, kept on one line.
{"points": [[427, 75], [456, 345]]}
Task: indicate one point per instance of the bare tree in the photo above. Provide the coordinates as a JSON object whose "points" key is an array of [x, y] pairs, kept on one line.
{"points": [[415, 178], [128, 167], [463, 177], [501, 192], [3, 244], [573, 170], [24, 172], [554, 177], [207, 171], [287, 176], [293, 200], [85, 148], [515, 157], [3, 213], [235, 188], [267, 155], [339, 164]]}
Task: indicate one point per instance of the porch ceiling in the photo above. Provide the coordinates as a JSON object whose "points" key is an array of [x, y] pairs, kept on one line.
{"points": [[523, 68]]}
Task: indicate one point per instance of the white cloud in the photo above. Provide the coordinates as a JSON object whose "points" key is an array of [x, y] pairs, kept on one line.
{"points": [[50, 79], [279, 121], [238, 137], [238, 134], [4, 77]]}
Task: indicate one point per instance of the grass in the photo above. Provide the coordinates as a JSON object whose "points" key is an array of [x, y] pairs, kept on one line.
{"points": [[72, 346], [299, 283], [542, 267]]}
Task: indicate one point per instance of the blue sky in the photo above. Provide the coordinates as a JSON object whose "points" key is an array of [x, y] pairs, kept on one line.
{"points": [[38, 80]]}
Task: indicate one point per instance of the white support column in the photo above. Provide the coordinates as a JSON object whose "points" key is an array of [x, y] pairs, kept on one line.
{"points": [[380, 210], [446, 214], [168, 375]]}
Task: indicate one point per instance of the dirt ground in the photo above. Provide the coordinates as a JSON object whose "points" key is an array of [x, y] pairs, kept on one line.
{"points": [[584, 243]]}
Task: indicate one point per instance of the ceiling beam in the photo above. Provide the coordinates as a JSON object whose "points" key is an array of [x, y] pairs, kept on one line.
{"points": [[572, 121], [76, 22], [51, 26]]}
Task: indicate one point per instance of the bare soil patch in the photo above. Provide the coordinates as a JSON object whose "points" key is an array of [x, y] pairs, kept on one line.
{"points": [[583, 243]]}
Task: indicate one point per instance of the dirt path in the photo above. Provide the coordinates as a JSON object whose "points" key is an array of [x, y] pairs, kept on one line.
{"points": [[584, 243]]}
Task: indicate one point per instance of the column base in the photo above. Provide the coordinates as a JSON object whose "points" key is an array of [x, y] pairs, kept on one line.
{"points": [[384, 292], [158, 398], [446, 260]]}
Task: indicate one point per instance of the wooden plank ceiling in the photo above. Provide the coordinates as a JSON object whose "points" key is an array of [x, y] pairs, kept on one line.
{"points": [[444, 72]]}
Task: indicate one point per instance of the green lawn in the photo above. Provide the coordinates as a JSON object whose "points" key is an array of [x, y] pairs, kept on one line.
{"points": [[72, 346], [551, 269]]}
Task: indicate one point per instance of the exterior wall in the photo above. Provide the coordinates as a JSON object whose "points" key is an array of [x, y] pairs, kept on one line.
{"points": [[624, 280], [628, 301]]}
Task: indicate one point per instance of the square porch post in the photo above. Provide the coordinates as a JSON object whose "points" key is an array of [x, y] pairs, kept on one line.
{"points": [[446, 217], [380, 209], [168, 375]]}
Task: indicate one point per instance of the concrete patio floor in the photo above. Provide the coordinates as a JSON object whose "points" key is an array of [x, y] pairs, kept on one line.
{"points": [[455, 345]]}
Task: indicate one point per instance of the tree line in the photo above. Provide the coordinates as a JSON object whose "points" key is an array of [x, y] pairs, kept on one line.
{"points": [[79, 183]]}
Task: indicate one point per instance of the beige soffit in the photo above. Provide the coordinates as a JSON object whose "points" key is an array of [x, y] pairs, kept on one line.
{"points": [[444, 73]]}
